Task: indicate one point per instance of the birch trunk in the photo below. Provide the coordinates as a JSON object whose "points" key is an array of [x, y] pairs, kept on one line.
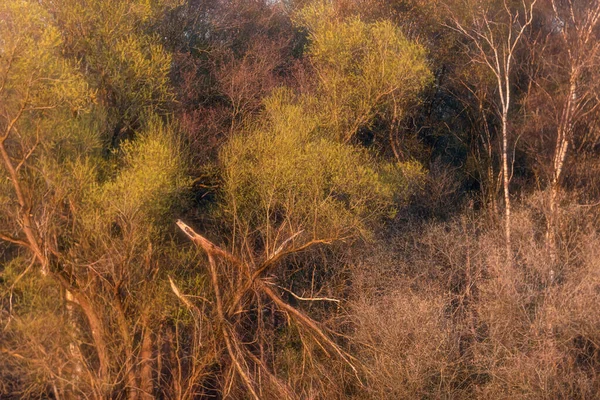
{"points": [[563, 137], [506, 183]]}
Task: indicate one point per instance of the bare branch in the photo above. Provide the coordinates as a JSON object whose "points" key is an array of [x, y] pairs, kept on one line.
{"points": [[312, 326], [308, 298], [181, 297], [286, 242], [10, 239], [208, 246]]}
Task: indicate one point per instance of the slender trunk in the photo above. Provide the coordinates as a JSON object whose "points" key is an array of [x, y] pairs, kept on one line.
{"points": [[25, 210], [560, 154], [97, 331], [73, 347], [506, 182], [393, 136], [492, 190], [147, 382], [34, 244]]}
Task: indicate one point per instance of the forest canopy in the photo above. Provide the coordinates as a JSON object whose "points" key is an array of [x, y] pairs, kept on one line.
{"points": [[299, 199]]}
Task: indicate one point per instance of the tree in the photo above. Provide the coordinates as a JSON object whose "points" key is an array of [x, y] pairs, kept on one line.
{"points": [[121, 58], [363, 69], [89, 211], [287, 175], [293, 184], [570, 67], [38, 88], [288, 190], [496, 34]]}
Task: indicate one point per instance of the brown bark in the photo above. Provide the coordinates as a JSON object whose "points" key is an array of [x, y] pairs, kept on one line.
{"points": [[33, 243], [25, 209], [147, 381], [97, 330]]}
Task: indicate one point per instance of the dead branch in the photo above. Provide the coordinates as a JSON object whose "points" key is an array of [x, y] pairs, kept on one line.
{"points": [[241, 356]]}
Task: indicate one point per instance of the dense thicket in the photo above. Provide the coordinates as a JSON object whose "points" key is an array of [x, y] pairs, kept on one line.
{"points": [[316, 199]]}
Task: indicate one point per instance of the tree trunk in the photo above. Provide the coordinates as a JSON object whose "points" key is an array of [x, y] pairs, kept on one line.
{"points": [[97, 330], [34, 244], [147, 381], [563, 137], [506, 182], [25, 209]]}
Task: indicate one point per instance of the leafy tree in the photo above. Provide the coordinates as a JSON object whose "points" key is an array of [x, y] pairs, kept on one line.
{"points": [[286, 175], [363, 68], [89, 216], [326, 270], [292, 183], [39, 89], [120, 56]]}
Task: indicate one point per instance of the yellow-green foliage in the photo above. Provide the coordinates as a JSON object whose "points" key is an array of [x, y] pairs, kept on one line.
{"points": [[128, 65], [139, 67], [295, 169], [91, 208], [406, 178], [286, 175], [41, 95], [58, 123], [60, 130], [363, 68], [41, 91], [144, 188], [34, 78]]}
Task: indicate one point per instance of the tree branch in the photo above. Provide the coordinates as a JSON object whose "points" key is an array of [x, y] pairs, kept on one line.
{"points": [[10, 239]]}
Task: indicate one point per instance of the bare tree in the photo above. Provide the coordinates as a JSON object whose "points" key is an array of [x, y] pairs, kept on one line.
{"points": [[496, 38], [575, 23]]}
